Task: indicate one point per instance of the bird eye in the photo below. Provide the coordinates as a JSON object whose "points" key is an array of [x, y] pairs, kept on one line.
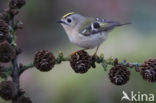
{"points": [[69, 20]]}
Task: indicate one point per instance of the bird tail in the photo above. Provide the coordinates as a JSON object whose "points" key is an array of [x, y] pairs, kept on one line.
{"points": [[115, 24], [122, 24]]}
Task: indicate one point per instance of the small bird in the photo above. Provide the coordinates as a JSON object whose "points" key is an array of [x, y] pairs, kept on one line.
{"points": [[87, 32]]}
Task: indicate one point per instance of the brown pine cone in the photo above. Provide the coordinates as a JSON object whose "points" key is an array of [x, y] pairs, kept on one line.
{"points": [[24, 99], [7, 52], [4, 30], [7, 90], [44, 60], [81, 61], [12, 12], [148, 70], [119, 74], [16, 4]]}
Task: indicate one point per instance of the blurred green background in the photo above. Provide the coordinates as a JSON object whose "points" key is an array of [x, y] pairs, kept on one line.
{"points": [[135, 42]]}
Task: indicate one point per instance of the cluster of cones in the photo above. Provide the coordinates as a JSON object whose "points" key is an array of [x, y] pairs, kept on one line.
{"points": [[8, 92], [81, 62], [8, 50]]}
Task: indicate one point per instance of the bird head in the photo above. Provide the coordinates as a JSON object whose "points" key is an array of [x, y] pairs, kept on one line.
{"points": [[71, 21]]}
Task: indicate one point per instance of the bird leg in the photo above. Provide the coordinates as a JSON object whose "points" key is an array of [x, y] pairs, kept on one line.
{"points": [[95, 54]]}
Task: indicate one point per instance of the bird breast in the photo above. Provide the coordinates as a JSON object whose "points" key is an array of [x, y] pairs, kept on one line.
{"points": [[87, 42]]}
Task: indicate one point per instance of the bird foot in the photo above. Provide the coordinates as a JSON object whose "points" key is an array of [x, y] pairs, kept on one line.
{"points": [[77, 51]]}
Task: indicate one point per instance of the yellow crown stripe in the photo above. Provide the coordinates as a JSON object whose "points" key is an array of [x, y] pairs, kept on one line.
{"points": [[68, 14]]}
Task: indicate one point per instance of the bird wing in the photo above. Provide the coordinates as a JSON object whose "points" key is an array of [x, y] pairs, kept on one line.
{"points": [[94, 26], [85, 28]]}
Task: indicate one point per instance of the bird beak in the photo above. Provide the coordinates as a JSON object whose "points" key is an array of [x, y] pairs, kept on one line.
{"points": [[60, 21]]}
